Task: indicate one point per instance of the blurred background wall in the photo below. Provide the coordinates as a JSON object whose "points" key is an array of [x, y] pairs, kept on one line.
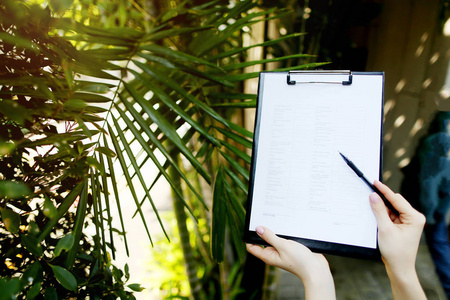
{"points": [[407, 39], [410, 42]]}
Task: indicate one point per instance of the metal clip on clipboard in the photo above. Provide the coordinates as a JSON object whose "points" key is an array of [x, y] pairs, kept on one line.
{"points": [[348, 82]]}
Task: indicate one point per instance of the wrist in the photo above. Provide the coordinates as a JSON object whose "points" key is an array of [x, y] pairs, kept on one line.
{"points": [[402, 276], [405, 283], [318, 283], [401, 272], [320, 288]]}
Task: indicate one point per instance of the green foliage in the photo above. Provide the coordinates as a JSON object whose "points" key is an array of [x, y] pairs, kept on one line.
{"points": [[10, 219], [65, 278], [65, 243], [78, 99], [43, 167], [168, 278]]}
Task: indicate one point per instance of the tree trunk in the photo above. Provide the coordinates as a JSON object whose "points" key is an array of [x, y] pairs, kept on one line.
{"points": [[188, 250]]}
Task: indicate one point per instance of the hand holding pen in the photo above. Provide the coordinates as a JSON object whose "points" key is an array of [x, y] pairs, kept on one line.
{"points": [[374, 188], [398, 236], [398, 239]]}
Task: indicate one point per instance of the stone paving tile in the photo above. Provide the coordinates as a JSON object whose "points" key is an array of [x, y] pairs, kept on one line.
{"points": [[362, 279]]}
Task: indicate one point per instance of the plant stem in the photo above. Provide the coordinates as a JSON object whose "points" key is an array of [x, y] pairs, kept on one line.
{"points": [[188, 251]]}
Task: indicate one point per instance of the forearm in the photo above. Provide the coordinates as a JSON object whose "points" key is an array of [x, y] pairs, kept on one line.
{"points": [[405, 284], [318, 282], [321, 288]]}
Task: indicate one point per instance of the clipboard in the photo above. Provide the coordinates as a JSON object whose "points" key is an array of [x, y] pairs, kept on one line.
{"points": [[299, 185]]}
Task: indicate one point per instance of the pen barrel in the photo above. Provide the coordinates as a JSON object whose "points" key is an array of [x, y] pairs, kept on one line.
{"points": [[386, 201], [355, 169]]}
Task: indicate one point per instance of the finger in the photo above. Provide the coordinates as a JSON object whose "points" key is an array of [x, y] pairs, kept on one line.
{"points": [[397, 200], [267, 235], [256, 250], [379, 210], [269, 255]]}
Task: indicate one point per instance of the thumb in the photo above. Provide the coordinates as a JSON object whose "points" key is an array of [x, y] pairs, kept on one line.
{"points": [[267, 235], [379, 210]]}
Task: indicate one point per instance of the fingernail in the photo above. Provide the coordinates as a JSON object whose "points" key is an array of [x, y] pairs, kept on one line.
{"points": [[374, 198], [377, 182], [259, 230]]}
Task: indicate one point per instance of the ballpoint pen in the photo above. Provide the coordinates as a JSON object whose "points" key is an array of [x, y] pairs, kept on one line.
{"points": [[374, 188]]}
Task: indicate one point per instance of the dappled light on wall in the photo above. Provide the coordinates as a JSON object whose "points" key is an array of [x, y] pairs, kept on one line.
{"points": [[421, 47], [386, 175], [446, 30], [404, 162], [427, 83], [434, 58], [400, 152], [388, 136], [399, 121], [400, 85], [389, 105], [417, 126]]}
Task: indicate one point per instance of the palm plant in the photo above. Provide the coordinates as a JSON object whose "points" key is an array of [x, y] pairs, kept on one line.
{"points": [[161, 95]]}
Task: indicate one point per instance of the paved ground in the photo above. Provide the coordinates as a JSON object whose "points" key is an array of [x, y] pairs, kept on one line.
{"points": [[361, 279]]}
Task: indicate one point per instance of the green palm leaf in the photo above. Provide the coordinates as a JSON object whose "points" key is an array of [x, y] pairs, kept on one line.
{"points": [[155, 161], [130, 184], [167, 100], [177, 55], [169, 131], [62, 209], [78, 227], [108, 165], [150, 151]]}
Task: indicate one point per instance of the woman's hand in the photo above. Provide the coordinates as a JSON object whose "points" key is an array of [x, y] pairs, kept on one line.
{"points": [[398, 239], [311, 268]]}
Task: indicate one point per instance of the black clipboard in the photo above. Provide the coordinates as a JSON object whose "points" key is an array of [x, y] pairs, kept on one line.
{"points": [[299, 185]]}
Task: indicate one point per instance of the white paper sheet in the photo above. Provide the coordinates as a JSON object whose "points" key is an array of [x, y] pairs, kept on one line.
{"points": [[302, 186]]}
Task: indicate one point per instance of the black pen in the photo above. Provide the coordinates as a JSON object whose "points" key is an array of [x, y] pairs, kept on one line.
{"points": [[361, 175]]}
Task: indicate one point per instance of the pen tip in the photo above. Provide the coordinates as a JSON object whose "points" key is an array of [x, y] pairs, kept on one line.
{"points": [[343, 156]]}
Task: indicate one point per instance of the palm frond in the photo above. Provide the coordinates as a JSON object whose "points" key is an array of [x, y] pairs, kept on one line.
{"points": [[131, 98]]}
